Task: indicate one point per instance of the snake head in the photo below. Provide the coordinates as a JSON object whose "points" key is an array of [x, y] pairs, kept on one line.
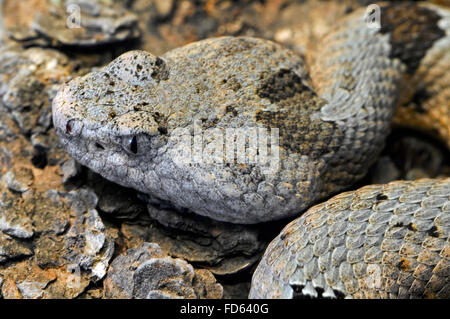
{"points": [[161, 126], [110, 117]]}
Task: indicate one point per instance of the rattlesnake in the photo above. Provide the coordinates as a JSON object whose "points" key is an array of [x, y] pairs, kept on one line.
{"points": [[381, 241], [129, 121]]}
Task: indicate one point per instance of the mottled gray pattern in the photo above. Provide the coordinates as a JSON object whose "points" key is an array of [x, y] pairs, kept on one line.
{"points": [[381, 241], [79, 23], [147, 97], [123, 121], [146, 272]]}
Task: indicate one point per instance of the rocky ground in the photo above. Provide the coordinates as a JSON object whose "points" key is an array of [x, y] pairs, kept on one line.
{"points": [[65, 232]]}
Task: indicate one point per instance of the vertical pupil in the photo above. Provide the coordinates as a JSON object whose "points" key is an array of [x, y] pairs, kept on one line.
{"points": [[133, 145]]}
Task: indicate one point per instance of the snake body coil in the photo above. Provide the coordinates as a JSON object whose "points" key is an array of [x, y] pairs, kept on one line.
{"points": [[381, 241]]}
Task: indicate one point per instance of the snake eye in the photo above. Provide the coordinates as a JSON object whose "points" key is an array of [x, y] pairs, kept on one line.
{"points": [[133, 145], [138, 144], [130, 144]]}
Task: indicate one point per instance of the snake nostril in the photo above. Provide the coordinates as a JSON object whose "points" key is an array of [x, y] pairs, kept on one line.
{"points": [[72, 127], [68, 127], [99, 146]]}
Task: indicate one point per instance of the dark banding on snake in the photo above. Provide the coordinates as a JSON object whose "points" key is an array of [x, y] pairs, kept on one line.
{"points": [[413, 29]]}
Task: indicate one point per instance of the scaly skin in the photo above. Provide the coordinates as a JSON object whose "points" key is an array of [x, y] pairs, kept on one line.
{"points": [[381, 241], [122, 121]]}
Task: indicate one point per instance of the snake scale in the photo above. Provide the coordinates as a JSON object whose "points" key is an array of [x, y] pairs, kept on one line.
{"points": [[381, 241], [130, 121]]}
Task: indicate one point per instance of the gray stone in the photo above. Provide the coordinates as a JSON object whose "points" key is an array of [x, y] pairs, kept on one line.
{"points": [[79, 23], [147, 272], [13, 249]]}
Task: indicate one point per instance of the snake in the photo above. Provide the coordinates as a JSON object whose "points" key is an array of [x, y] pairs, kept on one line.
{"points": [[168, 126], [380, 241]]}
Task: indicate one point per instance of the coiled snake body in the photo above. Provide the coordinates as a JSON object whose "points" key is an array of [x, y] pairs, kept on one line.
{"points": [[381, 241], [122, 121]]}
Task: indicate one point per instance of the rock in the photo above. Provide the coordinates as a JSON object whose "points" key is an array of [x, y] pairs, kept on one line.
{"points": [[31, 290], [164, 278], [164, 7], [70, 245], [15, 218], [119, 280], [384, 171], [43, 229], [409, 155], [237, 290], [205, 285], [12, 249], [114, 200], [9, 290], [416, 152], [222, 248], [22, 229], [89, 247], [147, 272], [29, 80], [78, 23], [93, 293], [219, 247], [70, 168], [19, 181]]}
